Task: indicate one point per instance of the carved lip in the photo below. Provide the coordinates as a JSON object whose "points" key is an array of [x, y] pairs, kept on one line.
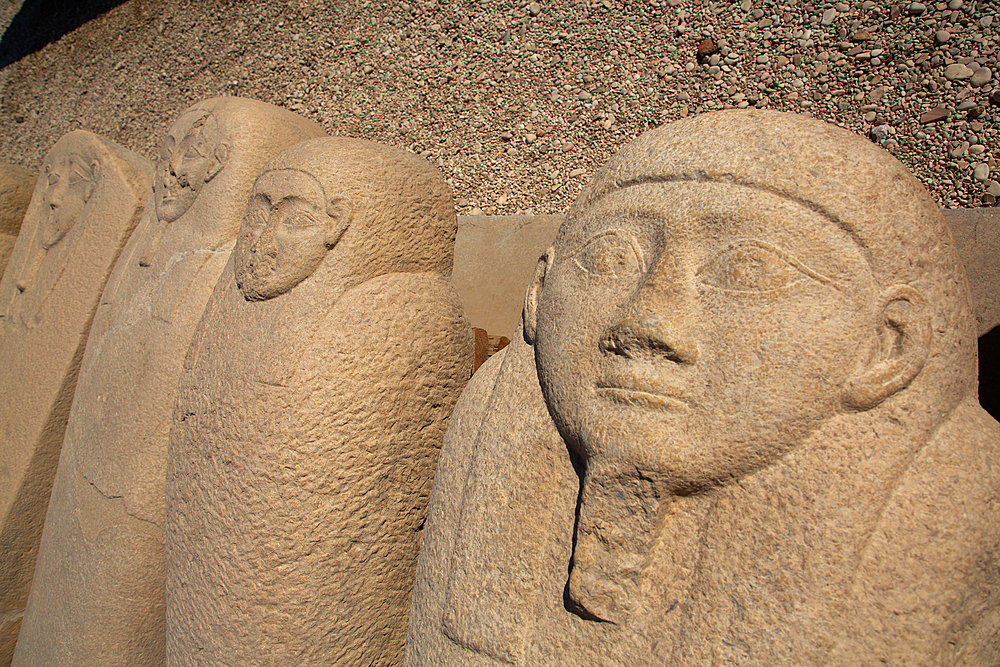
{"points": [[633, 389]]}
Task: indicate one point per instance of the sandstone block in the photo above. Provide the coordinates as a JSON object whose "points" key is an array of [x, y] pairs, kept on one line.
{"points": [[16, 186], [87, 201], [310, 413], [739, 425], [98, 594]]}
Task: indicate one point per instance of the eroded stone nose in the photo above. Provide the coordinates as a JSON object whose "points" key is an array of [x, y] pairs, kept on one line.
{"points": [[650, 335]]}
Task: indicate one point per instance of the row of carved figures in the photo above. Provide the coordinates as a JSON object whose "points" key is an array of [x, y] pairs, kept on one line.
{"points": [[737, 423]]}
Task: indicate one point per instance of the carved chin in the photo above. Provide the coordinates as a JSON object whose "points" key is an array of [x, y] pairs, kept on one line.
{"points": [[172, 205], [255, 276]]}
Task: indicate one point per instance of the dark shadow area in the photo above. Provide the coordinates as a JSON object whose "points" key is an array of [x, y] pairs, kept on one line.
{"points": [[40, 22], [989, 372]]}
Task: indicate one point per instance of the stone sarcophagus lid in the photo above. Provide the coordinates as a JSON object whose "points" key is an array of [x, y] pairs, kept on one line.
{"points": [[738, 424]]}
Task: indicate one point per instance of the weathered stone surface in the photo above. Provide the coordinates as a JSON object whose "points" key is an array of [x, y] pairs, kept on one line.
{"points": [[740, 425], [87, 201], [311, 412], [97, 598], [977, 236], [496, 255], [16, 186], [494, 259]]}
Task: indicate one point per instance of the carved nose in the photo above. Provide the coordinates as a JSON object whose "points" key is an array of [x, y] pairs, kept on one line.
{"points": [[56, 195], [650, 335]]}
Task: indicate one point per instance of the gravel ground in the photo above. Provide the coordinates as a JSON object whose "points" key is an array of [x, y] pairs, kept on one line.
{"points": [[519, 103]]}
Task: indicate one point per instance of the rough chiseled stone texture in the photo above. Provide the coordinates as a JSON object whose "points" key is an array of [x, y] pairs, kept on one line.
{"points": [[16, 186], [98, 593], [740, 426], [87, 201], [310, 414]]}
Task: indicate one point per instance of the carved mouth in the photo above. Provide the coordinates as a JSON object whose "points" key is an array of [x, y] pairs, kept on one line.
{"points": [[632, 390]]}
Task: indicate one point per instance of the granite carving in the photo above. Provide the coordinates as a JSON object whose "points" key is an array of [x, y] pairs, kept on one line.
{"points": [[98, 594], [739, 425], [86, 203], [310, 414]]}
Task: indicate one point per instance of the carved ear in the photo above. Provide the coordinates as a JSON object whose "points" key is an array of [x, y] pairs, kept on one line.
{"points": [[221, 157], [902, 346], [95, 172], [338, 213], [529, 315]]}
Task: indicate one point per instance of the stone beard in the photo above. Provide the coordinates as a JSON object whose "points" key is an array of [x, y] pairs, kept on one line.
{"points": [[742, 408], [311, 413]]}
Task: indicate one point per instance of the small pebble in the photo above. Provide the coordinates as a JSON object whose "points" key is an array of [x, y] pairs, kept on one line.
{"points": [[917, 8], [942, 36], [934, 115], [980, 77], [534, 9], [957, 72], [829, 16], [879, 133], [959, 151], [981, 172]]}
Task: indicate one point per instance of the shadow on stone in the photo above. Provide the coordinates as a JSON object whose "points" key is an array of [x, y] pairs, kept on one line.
{"points": [[40, 22], [989, 370]]}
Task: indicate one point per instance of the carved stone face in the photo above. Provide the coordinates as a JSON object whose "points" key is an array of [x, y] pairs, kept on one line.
{"points": [[186, 163], [691, 332], [69, 182], [284, 236]]}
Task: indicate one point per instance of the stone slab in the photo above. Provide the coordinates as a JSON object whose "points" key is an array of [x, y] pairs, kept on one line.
{"points": [[494, 259], [85, 205], [977, 235], [98, 592], [310, 413], [16, 186]]}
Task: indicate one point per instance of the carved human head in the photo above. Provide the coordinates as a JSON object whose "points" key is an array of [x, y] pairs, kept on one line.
{"points": [[391, 209], [191, 156], [729, 282], [69, 179]]}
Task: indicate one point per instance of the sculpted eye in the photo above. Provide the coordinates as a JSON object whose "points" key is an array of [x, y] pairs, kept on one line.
{"points": [[613, 254], [748, 266], [297, 212]]}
